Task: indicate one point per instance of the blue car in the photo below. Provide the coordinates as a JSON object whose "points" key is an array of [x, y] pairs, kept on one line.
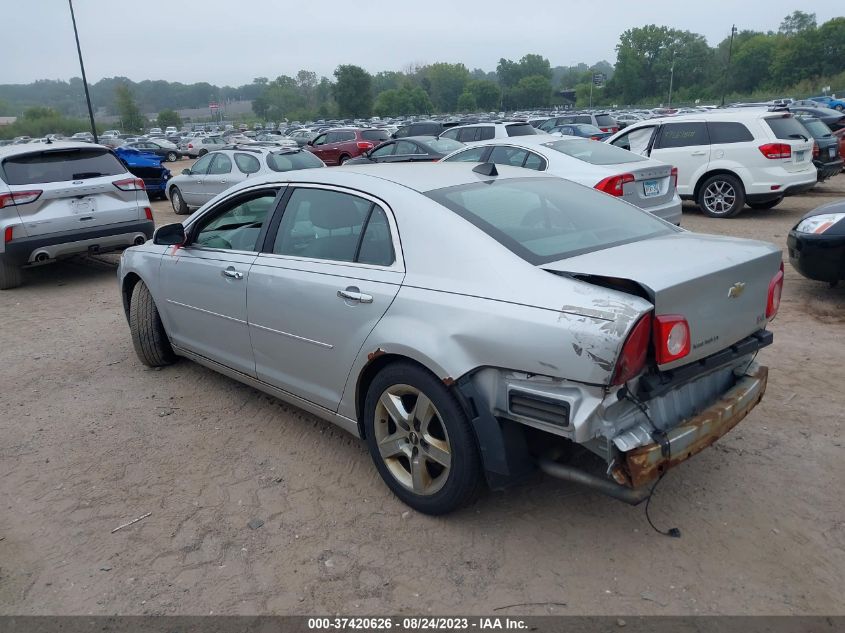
{"points": [[830, 102], [147, 167]]}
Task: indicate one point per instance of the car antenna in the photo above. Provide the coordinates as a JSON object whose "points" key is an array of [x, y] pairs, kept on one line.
{"points": [[486, 169]]}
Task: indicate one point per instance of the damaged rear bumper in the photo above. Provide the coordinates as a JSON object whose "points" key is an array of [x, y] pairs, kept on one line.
{"points": [[644, 464]]}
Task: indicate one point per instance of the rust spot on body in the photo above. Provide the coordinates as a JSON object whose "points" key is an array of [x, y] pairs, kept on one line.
{"points": [[448, 381], [375, 354]]}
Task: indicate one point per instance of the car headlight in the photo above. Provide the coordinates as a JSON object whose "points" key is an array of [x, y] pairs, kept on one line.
{"points": [[818, 224]]}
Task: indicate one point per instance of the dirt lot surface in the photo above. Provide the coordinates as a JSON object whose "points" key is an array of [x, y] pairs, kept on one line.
{"points": [[92, 440]]}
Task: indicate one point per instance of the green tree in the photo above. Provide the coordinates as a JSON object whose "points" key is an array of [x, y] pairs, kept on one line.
{"points": [[39, 112], [408, 99], [466, 102], [510, 73], [353, 91], [531, 92], [488, 95], [130, 115], [797, 22], [167, 118], [445, 83], [830, 45], [750, 63]]}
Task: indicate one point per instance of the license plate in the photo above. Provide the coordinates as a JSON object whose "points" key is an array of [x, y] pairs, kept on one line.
{"points": [[651, 188], [82, 205], [799, 156], [833, 152]]}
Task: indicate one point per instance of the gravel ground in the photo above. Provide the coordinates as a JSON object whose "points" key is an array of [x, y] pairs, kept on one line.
{"points": [[92, 440]]}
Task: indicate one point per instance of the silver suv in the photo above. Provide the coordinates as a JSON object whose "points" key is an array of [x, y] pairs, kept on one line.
{"points": [[64, 199]]}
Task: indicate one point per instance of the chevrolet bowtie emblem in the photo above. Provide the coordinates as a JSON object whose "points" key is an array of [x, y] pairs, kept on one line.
{"points": [[736, 290]]}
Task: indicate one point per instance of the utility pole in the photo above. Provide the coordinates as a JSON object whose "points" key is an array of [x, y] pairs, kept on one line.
{"points": [[728, 65], [592, 82], [82, 68], [671, 77]]}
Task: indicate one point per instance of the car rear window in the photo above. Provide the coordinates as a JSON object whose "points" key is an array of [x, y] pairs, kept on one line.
{"points": [[594, 152], [786, 127], [287, 161], [60, 166], [817, 128], [546, 219], [520, 129], [375, 135], [605, 120], [728, 132]]}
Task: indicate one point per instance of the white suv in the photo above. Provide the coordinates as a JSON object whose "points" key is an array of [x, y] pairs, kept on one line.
{"points": [[729, 158], [476, 132]]}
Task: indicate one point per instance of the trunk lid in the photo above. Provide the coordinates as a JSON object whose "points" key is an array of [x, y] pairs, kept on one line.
{"points": [[652, 186], [719, 284]]}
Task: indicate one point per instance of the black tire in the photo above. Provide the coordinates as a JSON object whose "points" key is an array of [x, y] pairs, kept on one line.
{"points": [[148, 336], [464, 479], [202, 152], [343, 159], [769, 204], [178, 203], [839, 107], [172, 157], [10, 276], [721, 196]]}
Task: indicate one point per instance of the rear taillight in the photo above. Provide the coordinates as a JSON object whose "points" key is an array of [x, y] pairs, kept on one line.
{"points": [[129, 184], [595, 138], [365, 145], [614, 185], [634, 352], [671, 338], [775, 291], [190, 146], [776, 150], [674, 176], [7, 234], [148, 212], [612, 130], [815, 150], [19, 197]]}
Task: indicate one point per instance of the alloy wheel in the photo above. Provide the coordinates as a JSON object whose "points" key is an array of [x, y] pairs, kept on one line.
{"points": [[175, 200], [719, 197], [412, 439]]}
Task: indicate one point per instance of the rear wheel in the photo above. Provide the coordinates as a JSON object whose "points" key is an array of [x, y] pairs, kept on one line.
{"points": [[202, 152], [721, 196], [178, 202], [10, 276], [769, 204], [148, 336], [171, 157], [839, 107], [420, 440]]}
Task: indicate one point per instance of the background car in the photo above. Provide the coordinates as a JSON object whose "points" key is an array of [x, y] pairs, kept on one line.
{"points": [[160, 147], [817, 244], [830, 102], [147, 166], [217, 171], [65, 199], [834, 119], [826, 156], [408, 150], [602, 120], [475, 133], [643, 182], [202, 145], [584, 130], [337, 146]]}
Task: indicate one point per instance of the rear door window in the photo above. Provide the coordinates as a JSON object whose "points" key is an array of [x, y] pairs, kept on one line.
{"points": [[486, 132], [407, 147], [375, 135], [682, 134], [473, 155], [503, 155], [786, 128], [246, 163], [728, 132], [522, 129], [60, 166]]}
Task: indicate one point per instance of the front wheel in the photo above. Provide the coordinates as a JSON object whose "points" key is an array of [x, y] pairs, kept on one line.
{"points": [[769, 204], [839, 107], [178, 203], [420, 440], [171, 157], [721, 196]]}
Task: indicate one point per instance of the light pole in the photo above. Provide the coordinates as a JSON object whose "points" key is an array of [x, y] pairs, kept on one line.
{"points": [[82, 68], [728, 65], [592, 83], [671, 77]]}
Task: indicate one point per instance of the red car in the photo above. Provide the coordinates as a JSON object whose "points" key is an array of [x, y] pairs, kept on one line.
{"points": [[840, 134], [335, 147]]}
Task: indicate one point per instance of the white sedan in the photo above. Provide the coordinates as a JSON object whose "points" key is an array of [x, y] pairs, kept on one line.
{"points": [[644, 182]]}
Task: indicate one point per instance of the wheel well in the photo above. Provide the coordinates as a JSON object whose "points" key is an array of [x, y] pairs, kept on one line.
{"points": [[378, 361], [129, 283], [715, 172]]}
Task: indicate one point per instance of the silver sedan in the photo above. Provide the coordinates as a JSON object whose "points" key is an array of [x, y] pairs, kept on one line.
{"points": [[470, 323]]}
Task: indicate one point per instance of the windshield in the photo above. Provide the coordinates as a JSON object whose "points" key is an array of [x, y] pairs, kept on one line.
{"points": [[60, 166], [546, 219], [594, 152]]}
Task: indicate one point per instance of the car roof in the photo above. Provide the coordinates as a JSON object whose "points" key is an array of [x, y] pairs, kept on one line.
{"points": [[25, 148]]}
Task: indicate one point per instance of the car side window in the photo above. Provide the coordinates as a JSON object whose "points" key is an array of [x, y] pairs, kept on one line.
{"points": [[467, 134], [326, 224], [201, 166], [728, 132], [246, 163], [320, 140], [404, 148], [221, 164], [636, 140], [535, 162], [346, 136], [452, 134], [376, 246], [237, 224], [682, 134], [385, 150], [486, 132], [503, 155], [472, 155]]}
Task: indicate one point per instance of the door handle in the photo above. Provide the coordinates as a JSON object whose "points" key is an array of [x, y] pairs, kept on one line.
{"points": [[698, 154], [353, 294], [222, 182], [231, 273]]}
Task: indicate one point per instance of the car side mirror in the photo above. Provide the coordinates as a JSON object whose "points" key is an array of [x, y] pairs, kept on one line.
{"points": [[311, 143], [186, 171], [170, 235]]}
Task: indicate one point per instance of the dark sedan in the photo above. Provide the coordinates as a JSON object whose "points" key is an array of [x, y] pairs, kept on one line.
{"points": [[165, 151], [584, 130], [826, 156], [409, 149], [834, 119], [817, 244]]}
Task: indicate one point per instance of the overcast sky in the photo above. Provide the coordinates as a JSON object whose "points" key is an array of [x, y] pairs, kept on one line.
{"points": [[230, 42]]}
